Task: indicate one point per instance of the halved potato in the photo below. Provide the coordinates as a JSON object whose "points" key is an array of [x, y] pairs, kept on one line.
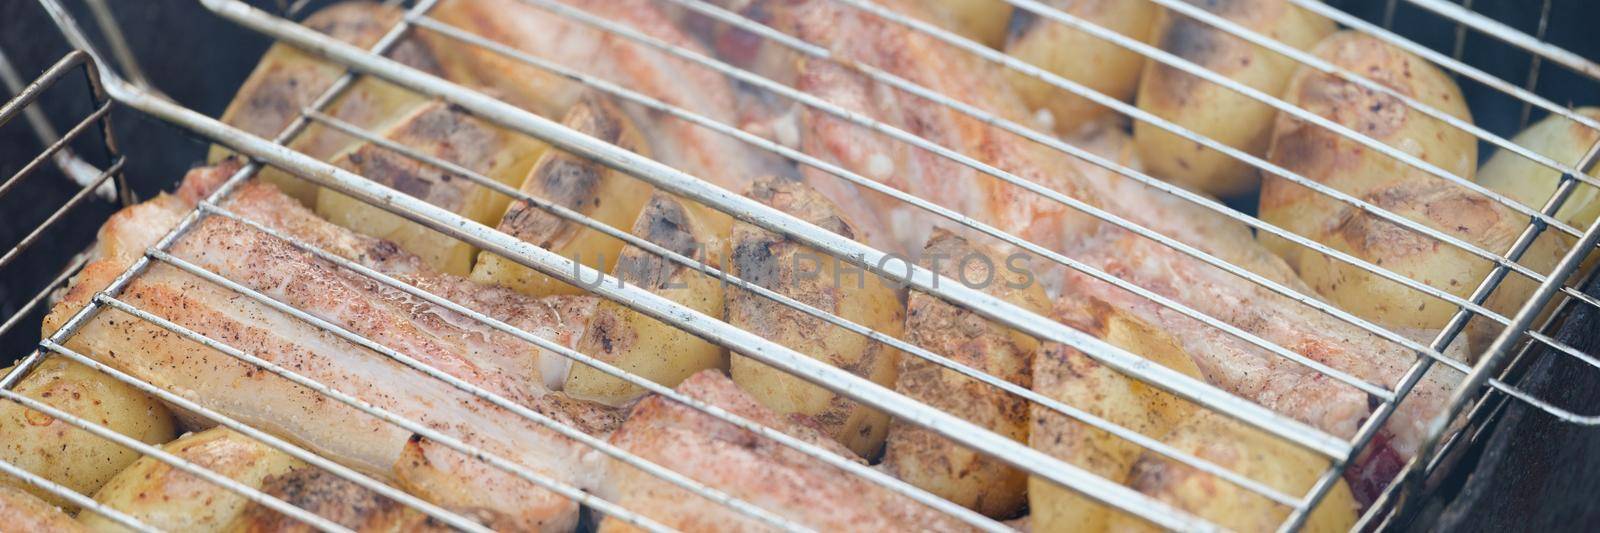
{"points": [[441, 131], [21, 511], [287, 80], [814, 277], [1069, 376], [63, 453], [922, 457], [1209, 109], [642, 345], [1252, 454], [608, 196], [331, 497], [1531, 183], [173, 500], [1083, 58], [1341, 163], [980, 20]]}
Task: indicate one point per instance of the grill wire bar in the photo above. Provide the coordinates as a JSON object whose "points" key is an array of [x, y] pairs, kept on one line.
{"points": [[1478, 376]]}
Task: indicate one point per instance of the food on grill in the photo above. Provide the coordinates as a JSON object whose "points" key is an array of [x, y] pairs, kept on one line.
{"points": [[984, 21], [170, 499], [1078, 56], [1229, 363], [22, 511], [922, 457], [751, 467], [1067, 375], [288, 80], [1210, 109], [745, 465], [436, 130], [333, 498], [642, 345], [487, 358], [577, 183], [1270, 461], [561, 40], [1339, 162], [61, 452], [785, 266], [1531, 183]]}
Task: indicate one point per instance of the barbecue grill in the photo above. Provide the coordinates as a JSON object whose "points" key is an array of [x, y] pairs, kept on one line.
{"points": [[1515, 63]]}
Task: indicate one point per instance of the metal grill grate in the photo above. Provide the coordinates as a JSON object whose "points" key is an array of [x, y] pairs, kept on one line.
{"points": [[1479, 379]]}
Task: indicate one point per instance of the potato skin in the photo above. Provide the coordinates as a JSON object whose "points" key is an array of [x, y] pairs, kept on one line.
{"points": [[173, 500], [980, 20], [287, 79], [643, 345], [775, 262], [331, 497], [444, 132], [1083, 58], [1531, 183], [21, 511], [1275, 463], [927, 460], [63, 453], [608, 196], [1069, 376], [1341, 163], [1209, 109]]}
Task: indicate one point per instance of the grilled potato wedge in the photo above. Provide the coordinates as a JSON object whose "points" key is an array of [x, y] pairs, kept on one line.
{"points": [[1531, 183], [440, 131], [643, 345], [980, 20], [63, 453], [287, 80], [21, 511], [173, 500], [1071, 377], [800, 272], [608, 196], [331, 497], [1250, 453], [923, 458], [1083, 58], [1209, 109], [1341, 163]]}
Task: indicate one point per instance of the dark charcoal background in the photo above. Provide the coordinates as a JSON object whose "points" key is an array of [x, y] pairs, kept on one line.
{"points": [[1534, 475]]}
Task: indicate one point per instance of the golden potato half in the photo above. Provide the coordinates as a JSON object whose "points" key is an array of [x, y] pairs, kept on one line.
{"points": [[169, 499], [813, 277], [922, 457], [1252, 454], [1212, 110], [1077, 56], [1069, 376], [1344, 164], [980, 20], [63, 453], [444, 132], [1532, 184], [642, 345], [605, 195], [21, 511], [288, 80]]}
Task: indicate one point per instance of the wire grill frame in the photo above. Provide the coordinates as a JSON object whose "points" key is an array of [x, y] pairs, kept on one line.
{"points": [[1505, 263]]}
